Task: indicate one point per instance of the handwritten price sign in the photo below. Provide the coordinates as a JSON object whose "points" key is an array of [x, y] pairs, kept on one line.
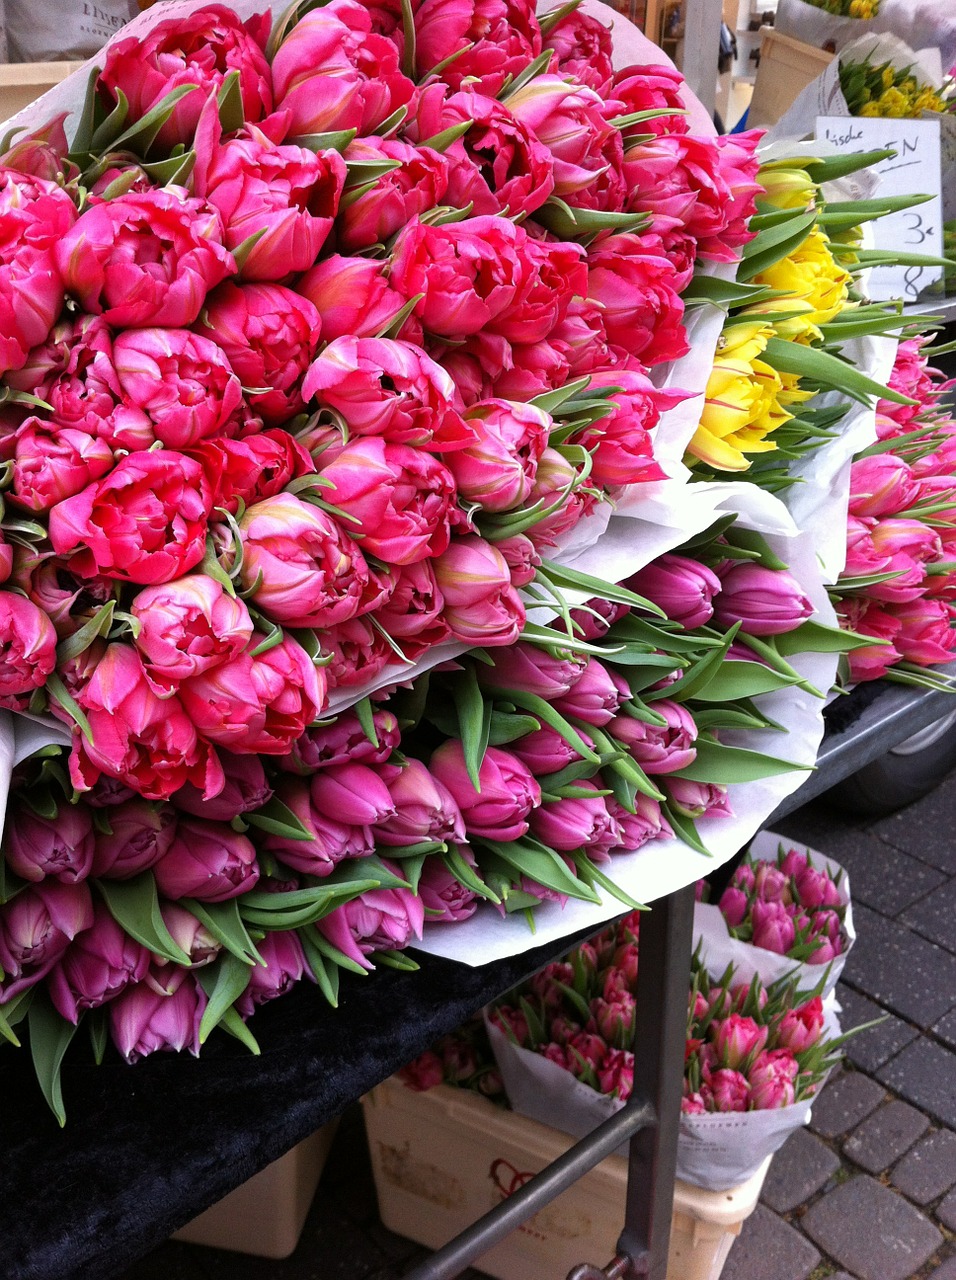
{"points": [[914, 170]]}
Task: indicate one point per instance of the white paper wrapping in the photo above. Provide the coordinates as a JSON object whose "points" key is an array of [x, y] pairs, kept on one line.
{"points": [[632, 540], [718, 949], [921, 23], [715, 1151]]}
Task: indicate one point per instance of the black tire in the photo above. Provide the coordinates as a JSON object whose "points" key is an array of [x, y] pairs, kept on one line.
{"points": [[907, 772]]}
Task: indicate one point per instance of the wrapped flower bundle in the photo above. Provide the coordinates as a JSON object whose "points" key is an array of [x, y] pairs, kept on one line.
{"points": [[463, 1059], [886, 90], [898, 583], [848, 8]]}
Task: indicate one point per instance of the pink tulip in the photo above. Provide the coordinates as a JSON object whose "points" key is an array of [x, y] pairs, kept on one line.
{"points": [[300, 566], [489, 40], [425, 1072], [773, 927], [390, 389], [816, 889], [189, 934], [683, 588], [772, 1080], [498, 808], [424, 810], [356, 651], [418, 184], [36, 927], [733, 906], [252, 469], [413, 614], [145, 259], [208, 861], [53, 462], [199, 48], [140, 834], [645, 824], [186, 627], [400, 501], [143, 1021], [145, 522], [881, 485], [98, 964], [35, 214], [582, 47], [512, 1022], [631, 277], [332, 72], [697, 799], [27, 650], [800, 1029], [614, 1020], [545, 750], [497, 471], [288, 196], [737, 1039], [652, 88], [726, 1090], [771, 884], [571, 121], [59, 848], [692, 1104], [577, 822], [269, 335], [344, 740], [766, 602], [147, 742], [621, 444], [926, 635], [659, 749], [379, 919], [246, 788], [353, 296], [481, 605], [284, 965], [445, 898], [616, 1074]]}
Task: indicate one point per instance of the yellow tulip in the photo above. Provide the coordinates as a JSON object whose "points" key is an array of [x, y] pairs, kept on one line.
{"points": [[786, 187], [811, 274]]}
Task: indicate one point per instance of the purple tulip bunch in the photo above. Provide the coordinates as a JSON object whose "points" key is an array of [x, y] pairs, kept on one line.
{"points": [[788, 906]]}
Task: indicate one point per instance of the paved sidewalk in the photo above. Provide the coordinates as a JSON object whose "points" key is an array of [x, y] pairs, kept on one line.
{"points": [[868, 1192]]}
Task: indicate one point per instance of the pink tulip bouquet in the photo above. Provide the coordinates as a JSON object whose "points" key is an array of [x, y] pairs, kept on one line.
{"points": [[899, 583]]}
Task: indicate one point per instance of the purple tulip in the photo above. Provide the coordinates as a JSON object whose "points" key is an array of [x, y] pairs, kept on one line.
{"points": [[766, 602], [353, 794], [595, 697], [545, 751], [97, 965], [59, 848], [580, 822], [698, 799], [143, 1021], [733, 906], [498, 808], [331, 840], [816, 889], [342, 741], [659, 749], [443, 895], [525, 666], [141, 832], [598, 617], [246, 788], [36, 927], [379, 919], [208, 861], [187, 932], [647, 823], [683, 588], [284, 967], [425, 810], [773, 927], [771, 885]]}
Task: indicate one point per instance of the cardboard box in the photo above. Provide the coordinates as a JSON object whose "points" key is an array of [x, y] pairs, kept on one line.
{"points": [[21, 82], [443, 1158], [786, 67], [265, 1216]]}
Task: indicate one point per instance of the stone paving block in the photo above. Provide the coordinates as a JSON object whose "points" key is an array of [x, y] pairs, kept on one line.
{"points": [[885, 1135], [843, 1103], [870, 1049], [925, 1074], [883, 877], [945, 1272], [926, 829], [800, 1168], [946, 1029], [929, 1169], [900, 970], [946, 1211], [934, 916], [769, 1248], [871, 1231]]}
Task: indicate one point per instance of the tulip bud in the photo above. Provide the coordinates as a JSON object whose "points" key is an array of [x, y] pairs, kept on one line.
{"points": [[498, 808], [208, 861], [100, 963], [60, 848], [766, 602], [143, 1021], [683, 588], [773, 927]]}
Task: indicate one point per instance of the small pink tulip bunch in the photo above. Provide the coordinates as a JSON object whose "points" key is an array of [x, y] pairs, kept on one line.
{"points": [[751, 1048], [788, 906], [899, 583], [463, 1058]]}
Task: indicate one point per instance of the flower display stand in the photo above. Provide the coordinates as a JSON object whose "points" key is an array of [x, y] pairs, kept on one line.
{"points": [[444, 1157]]}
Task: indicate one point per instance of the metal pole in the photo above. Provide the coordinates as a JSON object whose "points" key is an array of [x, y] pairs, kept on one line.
{"points": [[701, 48], [663, 982], [459, 1253]]}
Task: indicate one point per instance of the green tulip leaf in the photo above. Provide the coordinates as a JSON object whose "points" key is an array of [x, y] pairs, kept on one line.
{"points": [[134, 905], [279, 820], [741, 679], [719, 763], [685, 829], [224, 922], [50, 1036], [224, 981]]}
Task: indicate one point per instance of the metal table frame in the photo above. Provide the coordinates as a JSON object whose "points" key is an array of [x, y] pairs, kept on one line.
{"points": [[651, 1118]]}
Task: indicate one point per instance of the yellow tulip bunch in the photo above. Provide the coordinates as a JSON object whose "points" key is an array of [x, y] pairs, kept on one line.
{"points": [[889, 92], [848, 8]]}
